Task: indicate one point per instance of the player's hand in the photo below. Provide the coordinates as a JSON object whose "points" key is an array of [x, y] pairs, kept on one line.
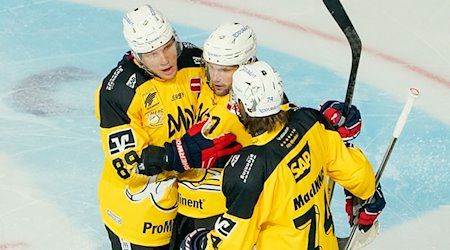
{"points": [[368, 213], [194, 150], [349, 207], [154, 161], [195, 240], [348, 127]]}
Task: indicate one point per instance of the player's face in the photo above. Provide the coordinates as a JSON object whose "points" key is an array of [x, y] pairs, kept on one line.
{"points": [[221, 77], [162, 61]]}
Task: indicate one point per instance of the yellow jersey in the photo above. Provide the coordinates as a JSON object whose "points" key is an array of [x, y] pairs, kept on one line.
{"points": [[135, 110], [199, 193], [276, 189]]}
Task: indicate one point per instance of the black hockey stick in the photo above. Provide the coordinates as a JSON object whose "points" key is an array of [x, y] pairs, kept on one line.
{"points": [[349, 242], [340, 16]]}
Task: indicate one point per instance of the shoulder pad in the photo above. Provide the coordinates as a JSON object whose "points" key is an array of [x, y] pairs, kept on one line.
{"points": [[191, 56]]}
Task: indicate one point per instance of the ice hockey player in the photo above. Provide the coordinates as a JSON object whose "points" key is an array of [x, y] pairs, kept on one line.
{"points": [[275, 189], [149, 98]]}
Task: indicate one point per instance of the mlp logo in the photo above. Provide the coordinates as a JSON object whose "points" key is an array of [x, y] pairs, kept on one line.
{"points": [[120, 141]]}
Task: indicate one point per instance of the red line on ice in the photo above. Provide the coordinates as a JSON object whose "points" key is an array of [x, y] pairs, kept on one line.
{"points": [[12, 245], [408, 66]]}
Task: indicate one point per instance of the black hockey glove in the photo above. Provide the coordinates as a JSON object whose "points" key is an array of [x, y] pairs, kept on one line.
{"points": [[154, 161], [195, 240]]}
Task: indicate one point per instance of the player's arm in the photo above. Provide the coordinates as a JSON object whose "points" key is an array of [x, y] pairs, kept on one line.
{"points": [[346, 164], [237, 228], [192, 150], [349, 167], [348, 130], [121, 137]]}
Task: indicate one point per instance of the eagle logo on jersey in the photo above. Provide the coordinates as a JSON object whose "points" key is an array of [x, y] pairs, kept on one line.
{"points": [[156, 191], [149, 100]]}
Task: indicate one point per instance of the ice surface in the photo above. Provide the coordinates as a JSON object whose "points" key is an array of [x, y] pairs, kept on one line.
{"points": [[55, 53]]}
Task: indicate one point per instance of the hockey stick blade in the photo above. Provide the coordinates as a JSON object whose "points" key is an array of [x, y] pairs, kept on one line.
{"points": [[362, 239]]}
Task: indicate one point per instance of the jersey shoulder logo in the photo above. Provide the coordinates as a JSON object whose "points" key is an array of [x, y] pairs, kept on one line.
{"points": [[155, 118], [150, 100], [195, 84], [225, 226], [121, 140], [131, 81]]}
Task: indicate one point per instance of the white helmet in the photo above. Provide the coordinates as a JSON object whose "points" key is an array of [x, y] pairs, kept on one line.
{"points": [[259, 87], [146, 29], [230, 44]]}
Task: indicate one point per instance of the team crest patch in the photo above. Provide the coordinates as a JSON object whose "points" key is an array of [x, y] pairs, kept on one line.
{"points": [[233, 160], [150, 98], [231, 108], [155, 118], [195, 84], [131, 81]]}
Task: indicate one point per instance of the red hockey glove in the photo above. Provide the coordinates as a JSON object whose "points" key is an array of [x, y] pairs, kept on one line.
{"points": [[195, 150], [349, 206], [370, 211], [195, 240], [348, 127]]}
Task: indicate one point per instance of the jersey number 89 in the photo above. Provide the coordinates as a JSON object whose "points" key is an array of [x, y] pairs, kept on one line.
{"points": [[130, 158]]}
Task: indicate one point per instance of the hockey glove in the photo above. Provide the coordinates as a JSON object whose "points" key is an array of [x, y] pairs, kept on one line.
{"points": [[154, 161], [195, 150], [349, 206], [348, 127], [192, 150], [195, 240], [368, 213]]}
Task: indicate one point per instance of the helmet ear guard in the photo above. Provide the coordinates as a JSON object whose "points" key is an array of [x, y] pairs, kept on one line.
{"points": [[260, 89], [146, 29], [230, 44]]}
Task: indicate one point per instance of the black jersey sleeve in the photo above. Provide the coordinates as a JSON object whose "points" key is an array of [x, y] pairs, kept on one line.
{"points": [[117, 91], [190, 56]]}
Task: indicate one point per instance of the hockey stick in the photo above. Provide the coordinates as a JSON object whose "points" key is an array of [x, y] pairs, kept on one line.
{"points": [[340, 16], [413, 94]]}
